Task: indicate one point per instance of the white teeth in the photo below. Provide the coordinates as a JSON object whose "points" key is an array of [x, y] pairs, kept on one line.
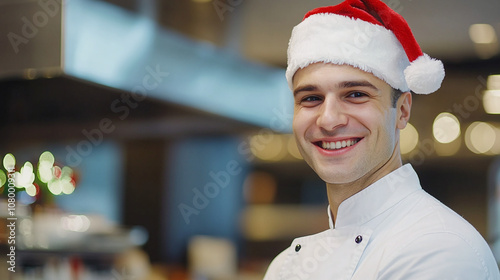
{"points": [[338, 145]]}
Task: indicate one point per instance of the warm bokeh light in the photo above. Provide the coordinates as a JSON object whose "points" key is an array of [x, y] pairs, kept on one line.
{"points": [[3, 178], [268, 147], [409, 139], [30, 73], [491, 101], [292, 148], [25, 177], [446, 128], [62, 182], [482, 34], [77, 223], [56, 179], [31, 190], [9, 162], [495, 150], [67, 187], [493, 82], [55, 187], [66, 172], [480, 137], [45, 165], [274, 147], [45, 174], [485, 40], [47, 158]]}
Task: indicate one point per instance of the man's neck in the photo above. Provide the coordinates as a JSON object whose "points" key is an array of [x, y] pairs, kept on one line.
{"points": [[337, 193]]}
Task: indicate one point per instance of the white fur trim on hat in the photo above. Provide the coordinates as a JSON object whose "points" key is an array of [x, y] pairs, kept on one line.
{"points": [[337, 39]]}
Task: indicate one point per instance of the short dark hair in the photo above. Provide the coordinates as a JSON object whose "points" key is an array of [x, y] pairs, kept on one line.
{"points": [[395, 94]]}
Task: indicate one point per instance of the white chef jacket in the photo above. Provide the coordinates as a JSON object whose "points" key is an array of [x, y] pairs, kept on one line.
{"points": [[391, 230]]}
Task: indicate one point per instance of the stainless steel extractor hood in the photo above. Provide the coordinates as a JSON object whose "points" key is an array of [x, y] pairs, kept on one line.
{"points": [[100, 43]]}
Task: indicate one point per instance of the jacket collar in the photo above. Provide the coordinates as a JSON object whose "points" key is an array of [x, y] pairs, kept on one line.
{"points": [[376, 198]]}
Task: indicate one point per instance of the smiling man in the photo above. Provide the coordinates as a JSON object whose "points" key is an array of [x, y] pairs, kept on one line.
{"points": [[352, 69], [347, 127]]}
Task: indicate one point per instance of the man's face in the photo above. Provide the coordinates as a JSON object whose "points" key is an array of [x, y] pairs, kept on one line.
{"points": [[344, 122]]}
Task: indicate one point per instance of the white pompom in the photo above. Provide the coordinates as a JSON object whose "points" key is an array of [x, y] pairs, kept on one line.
{"points": [[424, 75]]}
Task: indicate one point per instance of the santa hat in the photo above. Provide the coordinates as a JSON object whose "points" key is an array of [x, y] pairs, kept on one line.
{"points": [[368, 35]]}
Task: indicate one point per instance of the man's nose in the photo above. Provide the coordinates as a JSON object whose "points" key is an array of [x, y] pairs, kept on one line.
{"points": [[331, 115]]}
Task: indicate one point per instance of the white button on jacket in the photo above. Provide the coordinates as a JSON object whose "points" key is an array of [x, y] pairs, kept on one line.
{"points": [[391, 230]]}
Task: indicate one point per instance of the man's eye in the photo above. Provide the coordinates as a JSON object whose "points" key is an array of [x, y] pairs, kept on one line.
{"points": [[357, 94], [310, 99]]}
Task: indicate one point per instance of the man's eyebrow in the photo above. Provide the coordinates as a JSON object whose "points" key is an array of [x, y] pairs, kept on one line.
{"points": [[350, 84], [342, 85], [304, 88]]}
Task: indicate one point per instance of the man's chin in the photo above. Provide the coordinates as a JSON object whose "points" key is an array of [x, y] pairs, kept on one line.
{"points": [[338, 178], [331, 177]]}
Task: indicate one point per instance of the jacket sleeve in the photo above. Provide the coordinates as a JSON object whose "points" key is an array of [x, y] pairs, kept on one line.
{"points": [[443, 255]]}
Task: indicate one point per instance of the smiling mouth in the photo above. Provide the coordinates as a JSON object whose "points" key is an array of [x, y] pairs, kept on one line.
{"points": [[337, 145]]}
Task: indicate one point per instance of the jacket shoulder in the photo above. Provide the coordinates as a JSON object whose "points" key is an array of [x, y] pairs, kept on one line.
{"points": [[276, 265]]}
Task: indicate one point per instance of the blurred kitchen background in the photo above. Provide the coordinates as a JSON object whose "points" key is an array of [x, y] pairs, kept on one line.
{"points": [[152, 138]]}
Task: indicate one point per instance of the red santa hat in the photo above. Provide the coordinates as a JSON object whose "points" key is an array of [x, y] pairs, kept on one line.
{"points": [[368, 35]]}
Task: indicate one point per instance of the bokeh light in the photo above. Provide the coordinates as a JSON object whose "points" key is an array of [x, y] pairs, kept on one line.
{"points": [[493, 82], [480, 137], [9, 162], [77, 223], [55, 187], [482, 33], [292, 148], [45, 165], [3, 178], [66, 186], [47, 158], [25, 177], [269, 147], [491, 101], [409, 139], [446, 128], [31, 190], [485, 40]]}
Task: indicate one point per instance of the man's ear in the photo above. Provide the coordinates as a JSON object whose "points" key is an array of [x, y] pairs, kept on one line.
{"points": [[403, 108]]}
